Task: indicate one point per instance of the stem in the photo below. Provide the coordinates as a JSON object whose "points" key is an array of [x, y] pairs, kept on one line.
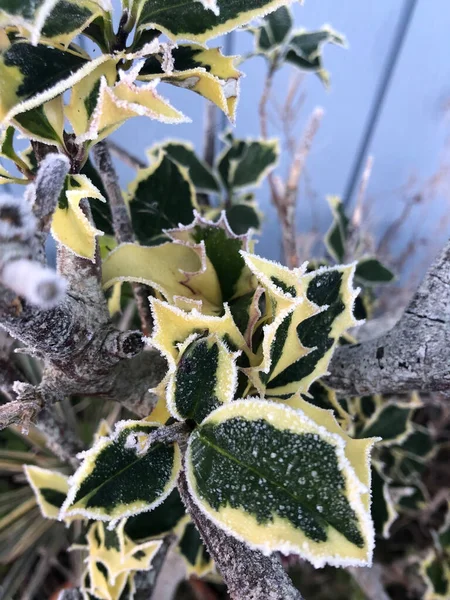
{"points": [[248, 574]]}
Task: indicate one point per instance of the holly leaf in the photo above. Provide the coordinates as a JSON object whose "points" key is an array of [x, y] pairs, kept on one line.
{"points": [[161, 196], [204, 378], [70, 226], [49, 487], [197, 22], [274, 31], [183, 153], [245, 163], [336, 236], [120, 477], [370, 271], [205, 71], [305, 50], [59, 21], [280, 481]]}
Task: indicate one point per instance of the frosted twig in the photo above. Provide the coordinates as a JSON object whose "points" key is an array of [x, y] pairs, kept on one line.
{"points": [[248, 574], [125, 156], [39, 285]]}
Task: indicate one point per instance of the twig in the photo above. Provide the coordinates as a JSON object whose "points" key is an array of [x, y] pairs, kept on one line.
{"points": [[209, 136], [146, 581], [125, 156], [414, 355], [123, 227], [369, 580], [248, 574]]}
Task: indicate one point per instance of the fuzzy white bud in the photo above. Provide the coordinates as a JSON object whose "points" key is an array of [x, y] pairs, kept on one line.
{"points": [[39, 285]]}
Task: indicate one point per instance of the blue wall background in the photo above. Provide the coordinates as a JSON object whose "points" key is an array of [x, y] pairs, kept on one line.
{"points": [[409, 140]]}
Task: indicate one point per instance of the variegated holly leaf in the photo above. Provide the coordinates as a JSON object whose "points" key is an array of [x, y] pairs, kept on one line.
{"points": [[162, 196], [70, 225], [205, 377], [310, 312], [274, 31], [196, 557], [157, 523], [97, 585], [205, 71], [120, 476], [196, 21], [115, 104], [336, 236], [173, 270], [117, 552], [58, 21], [182, 152], [305, 49], [392, 421], [324, 397], [243, 216], [247, 311], [435, 571], [30, 76], [383, 509], [222, 248], [49, 487], [245, 163], [192, 358], [370, 271], [278, 480]]}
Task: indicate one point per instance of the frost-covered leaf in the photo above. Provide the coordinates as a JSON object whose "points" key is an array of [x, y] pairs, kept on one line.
{"points": [[305, 49], [117, 103], [222, 248], [44, 123], [245, 163], [161, 196], [205, 377], [49, 487], [184, 154], [247, 312], [70, 226], [310, 313], [193, 21], [370, 271], [336, 236], [274, 30], [98, 586], [383, 509], [243, 216], [391, 421], [85, 95], [57, 20], [197, 560], [435, 570], [324, 397], [174, 332], [205, 71], [166, 268], [160, 521], [279, 480], [119, 477], [30, 76], [117, 552]]}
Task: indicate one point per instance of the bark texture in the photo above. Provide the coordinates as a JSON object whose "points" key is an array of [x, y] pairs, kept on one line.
{"points": [[248, 574], [414, 355]]}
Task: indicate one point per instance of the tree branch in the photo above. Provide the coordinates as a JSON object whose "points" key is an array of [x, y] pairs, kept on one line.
{"points": [[248, 574], [414, 355]]}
